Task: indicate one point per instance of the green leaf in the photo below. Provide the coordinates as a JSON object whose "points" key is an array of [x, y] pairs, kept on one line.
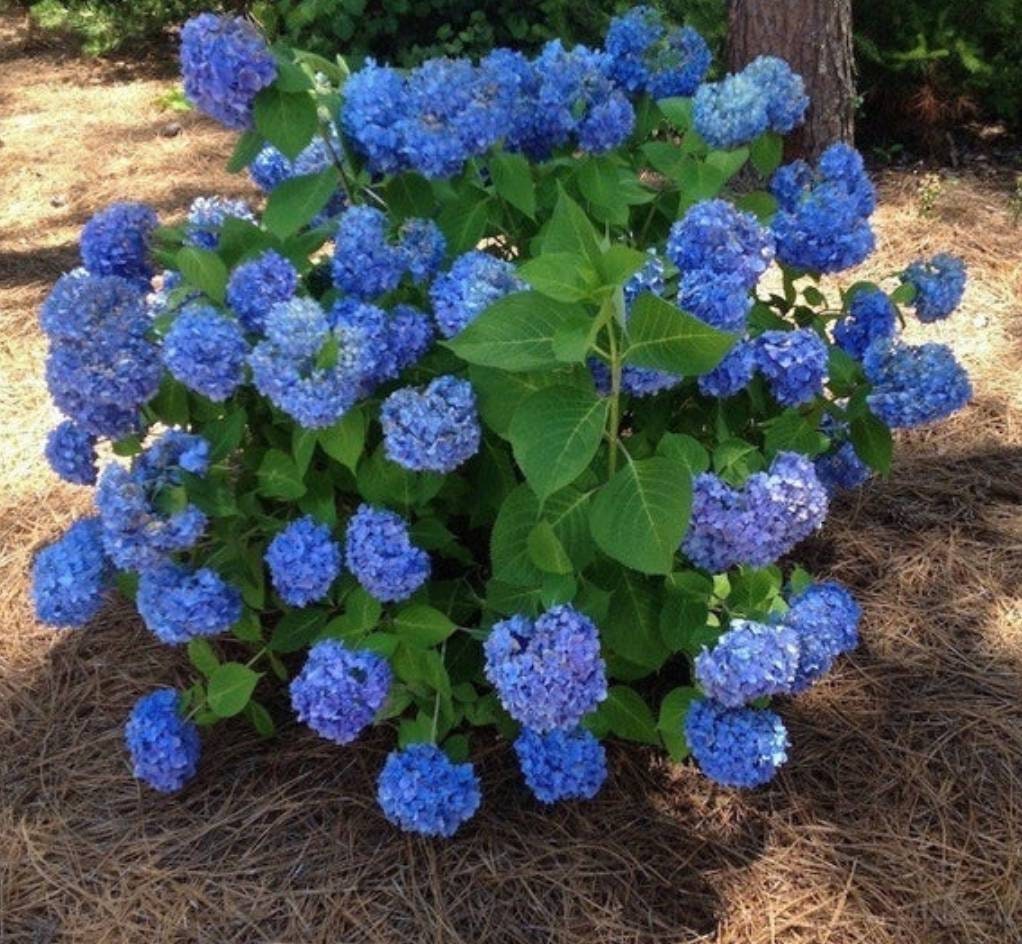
{"points": [[279, 476], [297, 628], [791, 431], [417, 666], [546, 551], [287, 120], [463, 223], [410, 195], [625, 714], [640, 517], [686, 607], [662, 336], [570, 230], [202, 656], [230, 688], [171, 402], [557, 589], [685, 449], [598, 181], [754, 590], [512, 178], [345, 440], [759, 203], [203, 269], [678, 111], [671, 723], [766, 152], [295, 202], [560, 275], [224, 435], [421, 625], [632, 628], [555, 434], [904, 294], [664, 157], [509, 551], [873, 442], [303, 445], [728, 162], [619, 263], [260, 719], [517, 332], [249, 144], [499, 393], [735, 459]]}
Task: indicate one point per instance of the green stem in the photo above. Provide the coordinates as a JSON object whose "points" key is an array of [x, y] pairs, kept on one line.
{"points": [[338, 162], [615, 400]]}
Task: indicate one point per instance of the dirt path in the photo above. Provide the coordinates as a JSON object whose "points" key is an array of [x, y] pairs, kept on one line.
{"points": [[898, 821]]}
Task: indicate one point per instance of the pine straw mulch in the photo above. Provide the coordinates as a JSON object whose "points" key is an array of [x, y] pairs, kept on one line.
{"points": [[899, 818]]}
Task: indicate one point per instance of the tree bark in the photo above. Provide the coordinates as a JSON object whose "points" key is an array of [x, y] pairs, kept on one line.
{"points": [[815, 38]]}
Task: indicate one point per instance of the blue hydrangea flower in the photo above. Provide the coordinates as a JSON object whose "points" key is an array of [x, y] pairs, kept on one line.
{"points": [[365, 264], [422, 791], [841, 469], [259, 284], [737, 747], [225, 63], [561, 765], [71, 452], [101, 367], [784, 91], [732, 374], [794, 364], [914, 385], [379, 552], [823, 221], [270, 168], [548, 672], [284, 365], [432, 430], [825, 618], [730, 112], [178, 604], [304, 561], [383, 351], [71, 576], [871, 315], [751, 660], [375, 103], [136, 534], [474, 282], [206, 351], [164, 747], [721, 300], [410, 335], [207, 215], [424, 247], [760, 522], [715, 239], [339, 690], [116, 242], [939, 285], [650, 278]]}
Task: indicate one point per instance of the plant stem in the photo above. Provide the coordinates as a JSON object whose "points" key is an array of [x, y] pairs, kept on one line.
{"points": [[615, 399]]}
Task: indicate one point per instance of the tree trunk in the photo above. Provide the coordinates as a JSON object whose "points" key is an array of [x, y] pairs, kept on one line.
{"points": [[815, 38]]}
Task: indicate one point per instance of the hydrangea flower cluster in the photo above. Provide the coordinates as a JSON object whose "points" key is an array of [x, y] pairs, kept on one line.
{"points": [[548, 672], [473, 283], [164, 747], [421, 790], [732, 374], [206, 351], [561, 764], [257, 285], [751, 660], [71, 452], [871, 315], [379, 552], [136, 534], [823, 221], [648, 55], [71, 576], [116, 241], [914, 385], [432, 430], [939, 285], [737, 747], [825, 618], [339, 690], [178, 604], [841, 469], [304, 561], [765, 96], [271, 168], [206, 217], [225, 63], [794, 364], [758, 523]]}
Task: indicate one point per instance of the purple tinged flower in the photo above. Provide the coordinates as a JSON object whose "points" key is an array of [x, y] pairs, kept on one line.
{"points": [[794, 364], [871, 315], [474, 282], [825, 618], [206, 217], [164, 746], [732, 374], [561, 765], [178, 604], [304, 561], [365, 264], [381, 555], [716, 239], [737, 747], [751, 660]]}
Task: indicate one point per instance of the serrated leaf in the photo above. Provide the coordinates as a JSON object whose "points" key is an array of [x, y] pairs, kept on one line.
{"points": [[230, 688], [632, 628], [464, 224], [500, 393], [203, 269], [560, 275], [555, 434], [517, 332], [570, 230], [297, 628], [509, 551], [873, 442], [287, 120], [546, 551], [345, 440], [295, 202], [512, 179], [662, 336], [279, 476], [421, 625], [628, 716], [684, 449], [640, 516], [202, 656], [671, 722], [766, 152], [248, 146]]}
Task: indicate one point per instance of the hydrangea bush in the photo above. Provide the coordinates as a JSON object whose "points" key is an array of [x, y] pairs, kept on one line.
{"points": [[505, 410]]}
